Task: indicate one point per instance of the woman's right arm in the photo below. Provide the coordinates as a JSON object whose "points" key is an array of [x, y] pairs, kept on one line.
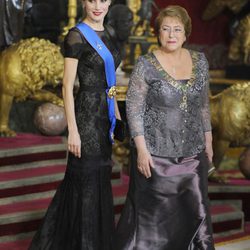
{"points": [[135, 109], [144, 159], [74, 141]]}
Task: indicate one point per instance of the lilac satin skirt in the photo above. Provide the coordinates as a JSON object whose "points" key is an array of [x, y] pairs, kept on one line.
{"points": [[170, 210]]}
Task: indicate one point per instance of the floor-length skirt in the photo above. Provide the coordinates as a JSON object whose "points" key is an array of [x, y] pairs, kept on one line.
{"points": [[80, 216], [170, 210]]}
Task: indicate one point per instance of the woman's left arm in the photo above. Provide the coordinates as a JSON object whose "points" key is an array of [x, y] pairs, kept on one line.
{"points": [[209, 145], [205, 111]]}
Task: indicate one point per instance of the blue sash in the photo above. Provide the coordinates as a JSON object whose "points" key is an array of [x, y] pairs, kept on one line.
{"points": [[95, 41]]}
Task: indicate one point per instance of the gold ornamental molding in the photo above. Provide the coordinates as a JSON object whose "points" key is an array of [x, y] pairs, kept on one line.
{"points": [[121, 92], [134, 5], [72, 12]]}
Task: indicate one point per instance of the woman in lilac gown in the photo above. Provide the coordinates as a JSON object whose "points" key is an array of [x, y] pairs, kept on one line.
{"points": [[168, 114]]}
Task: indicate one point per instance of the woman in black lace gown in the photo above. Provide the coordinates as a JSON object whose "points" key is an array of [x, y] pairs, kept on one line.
{"points": [[80, 216]]}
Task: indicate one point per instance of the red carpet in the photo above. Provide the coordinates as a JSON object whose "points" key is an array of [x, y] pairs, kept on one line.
{"points": [[17, 245], [233, 177], [25, 206], [235, 236], [32, 166], [11, 176], [28, 157], [9, 192], [28, 140]]}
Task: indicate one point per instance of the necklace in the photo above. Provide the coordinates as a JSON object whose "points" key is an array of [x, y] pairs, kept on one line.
{"points": [[98, 45], [183, 88]]}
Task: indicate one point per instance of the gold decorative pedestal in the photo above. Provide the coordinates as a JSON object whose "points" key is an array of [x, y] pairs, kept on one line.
{"points": [[137, 46]]}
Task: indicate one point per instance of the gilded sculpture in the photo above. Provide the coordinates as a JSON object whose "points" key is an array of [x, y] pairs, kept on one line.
{"points": [[215, 7], [134, 5], [25, 68], [72, 14], [239, 49], [230, 115], [12, 14], [143, 26], [240, 45]]}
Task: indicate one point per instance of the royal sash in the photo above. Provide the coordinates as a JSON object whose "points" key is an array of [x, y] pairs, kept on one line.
{"points": [[94, 40]]}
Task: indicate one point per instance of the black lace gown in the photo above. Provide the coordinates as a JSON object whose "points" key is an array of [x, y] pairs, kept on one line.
{"points": [[80, 216]]}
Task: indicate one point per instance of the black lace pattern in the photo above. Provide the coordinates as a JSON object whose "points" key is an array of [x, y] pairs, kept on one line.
{"points": [[91, 105]]}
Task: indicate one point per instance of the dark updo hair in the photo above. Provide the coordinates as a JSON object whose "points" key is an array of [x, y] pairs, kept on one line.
{"points": [[174, 11]]}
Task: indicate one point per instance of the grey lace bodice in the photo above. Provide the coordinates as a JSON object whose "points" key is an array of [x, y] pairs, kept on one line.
{"points": [[155, 107]]}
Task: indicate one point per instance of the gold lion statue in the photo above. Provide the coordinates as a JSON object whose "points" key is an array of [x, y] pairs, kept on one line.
{"points": [[230, 112], [25, 68], [215, 7], [239, 49]]}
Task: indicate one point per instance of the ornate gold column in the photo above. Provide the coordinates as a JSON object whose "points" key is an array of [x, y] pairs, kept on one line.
{"points": [[134, 5], [72, 12]]}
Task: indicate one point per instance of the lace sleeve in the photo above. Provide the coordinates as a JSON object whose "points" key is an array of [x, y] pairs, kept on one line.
{"points": [[73, 44], [135, 101], [206, 119]]}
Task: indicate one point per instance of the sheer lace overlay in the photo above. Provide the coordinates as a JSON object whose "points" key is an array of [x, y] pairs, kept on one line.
{"points": [[154, 107], [91, 105], [80, 216]]}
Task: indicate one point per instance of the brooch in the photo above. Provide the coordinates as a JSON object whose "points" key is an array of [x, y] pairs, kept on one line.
{"points": [[98, 45], [111, 92]]}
